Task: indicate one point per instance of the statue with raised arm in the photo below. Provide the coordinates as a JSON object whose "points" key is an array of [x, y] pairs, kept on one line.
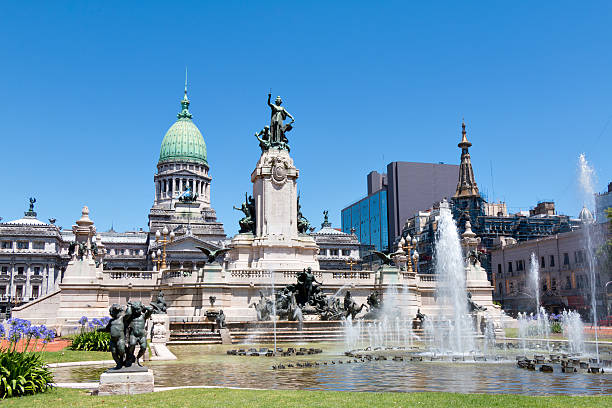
{"points": [[277, 129], [160, 305]]}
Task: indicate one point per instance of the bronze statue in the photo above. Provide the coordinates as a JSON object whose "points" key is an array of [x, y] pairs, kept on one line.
{"points": [[277, 115], [264, 140], [213, 255], [385, 258], [263, 307], [473, 306], [160, 305], [247, 223], [350, 306], [220, 320], [33, 200], [188, 196], [302, 222], [116, 328], [136, 315]]}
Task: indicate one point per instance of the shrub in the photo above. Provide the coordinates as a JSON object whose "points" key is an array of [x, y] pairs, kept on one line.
{"points": [[23, 373], [22, 370], [90, 339], [555, 327]]}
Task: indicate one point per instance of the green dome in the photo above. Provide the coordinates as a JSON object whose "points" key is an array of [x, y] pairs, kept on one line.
{"points": [[183, 141]]}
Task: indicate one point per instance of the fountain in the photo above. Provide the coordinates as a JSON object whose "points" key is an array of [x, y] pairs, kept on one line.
{"points": [[586, 176], [573, 329], [453, 322], [534, 279]]}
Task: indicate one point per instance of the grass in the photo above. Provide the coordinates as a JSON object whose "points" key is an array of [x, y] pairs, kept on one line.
{"points": [[218, 397], [67, 355]]}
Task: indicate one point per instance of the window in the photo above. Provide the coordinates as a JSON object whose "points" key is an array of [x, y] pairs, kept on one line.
{"points": [[323, 252], [37, 270], [20, 270], [2, 290], [7, 245], [568, 282], [22, 245], [499, 269], [4, 269], [19, 291], [500, 288], [509, 266], [542, 263], [553, 284], [565, 258], [333, 252], [519, 265], [544, 287], [580, 282], [346, 252], [35, 291], [38, 245], [511, 287], [551, 263]]}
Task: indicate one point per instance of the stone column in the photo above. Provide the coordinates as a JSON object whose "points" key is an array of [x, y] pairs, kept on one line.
{"points": [[27, 290]]}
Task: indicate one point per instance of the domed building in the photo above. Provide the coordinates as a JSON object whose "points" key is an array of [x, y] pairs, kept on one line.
{"points": [[182, 194]]}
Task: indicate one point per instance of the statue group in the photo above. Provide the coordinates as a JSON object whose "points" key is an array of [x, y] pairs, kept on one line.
{"points": [[306, 298], [274, 136], [248, 222], [127, 328]]}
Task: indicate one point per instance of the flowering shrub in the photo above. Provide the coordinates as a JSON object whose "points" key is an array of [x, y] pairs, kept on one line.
{"points": [[22, 370], [90, 339]]}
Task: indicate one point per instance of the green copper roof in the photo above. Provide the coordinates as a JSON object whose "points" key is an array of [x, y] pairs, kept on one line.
{"points": [[183, 141]]}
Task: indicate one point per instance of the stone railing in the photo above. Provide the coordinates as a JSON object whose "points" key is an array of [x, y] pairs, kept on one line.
{"points": [[250, 274], [148, 275]]}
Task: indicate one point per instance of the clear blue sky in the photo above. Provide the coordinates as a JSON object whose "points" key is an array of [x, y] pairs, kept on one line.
{"points": [[88, 90]]}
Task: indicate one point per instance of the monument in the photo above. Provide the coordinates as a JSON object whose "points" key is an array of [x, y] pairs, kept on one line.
{"points": [[273, 231], [127, 332]]}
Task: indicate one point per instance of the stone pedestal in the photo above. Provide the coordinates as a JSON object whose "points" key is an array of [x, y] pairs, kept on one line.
{"points": [[126, 383], [276, 243], [160, 328]]}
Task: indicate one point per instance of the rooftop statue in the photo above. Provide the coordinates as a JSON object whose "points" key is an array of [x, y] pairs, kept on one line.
{"points": [[32, 201]]}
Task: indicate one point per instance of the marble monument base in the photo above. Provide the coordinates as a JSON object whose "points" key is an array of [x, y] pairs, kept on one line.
{"points": [[126, 383]]}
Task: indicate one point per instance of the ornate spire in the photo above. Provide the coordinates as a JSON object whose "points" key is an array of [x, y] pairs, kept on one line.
{"points": [[184, 113], [466, 186]]}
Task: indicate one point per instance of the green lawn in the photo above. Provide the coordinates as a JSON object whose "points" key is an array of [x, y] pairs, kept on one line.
{"points": [[245, 398], [67, 355]]}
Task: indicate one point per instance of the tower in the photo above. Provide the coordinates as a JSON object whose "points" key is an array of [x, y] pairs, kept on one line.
{"points": [[467, 202], [183, 184]]}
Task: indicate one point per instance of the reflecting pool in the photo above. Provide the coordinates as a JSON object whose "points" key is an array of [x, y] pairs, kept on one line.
{"points": [[210, 365]]}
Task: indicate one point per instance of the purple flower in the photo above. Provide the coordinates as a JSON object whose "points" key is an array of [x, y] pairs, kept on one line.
{"points": [[83, 321], [2, 331]]}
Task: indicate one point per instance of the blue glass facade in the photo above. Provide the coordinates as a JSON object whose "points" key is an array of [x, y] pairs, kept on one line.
{"points": [[368, 217]]}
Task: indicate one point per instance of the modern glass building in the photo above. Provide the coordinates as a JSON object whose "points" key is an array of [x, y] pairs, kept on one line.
{"points": [[367, 218]]}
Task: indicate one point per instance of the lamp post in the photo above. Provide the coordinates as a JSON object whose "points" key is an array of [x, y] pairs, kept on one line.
{"points": [[410, 245], [351, 263], [157, 258], [164, 241]]}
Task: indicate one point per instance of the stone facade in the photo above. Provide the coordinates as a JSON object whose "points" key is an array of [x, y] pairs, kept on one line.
{"points": [[563, 270]]}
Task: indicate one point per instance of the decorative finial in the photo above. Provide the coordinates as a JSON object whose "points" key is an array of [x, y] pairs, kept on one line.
{"points": [[184, 113], [464, 142]]}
